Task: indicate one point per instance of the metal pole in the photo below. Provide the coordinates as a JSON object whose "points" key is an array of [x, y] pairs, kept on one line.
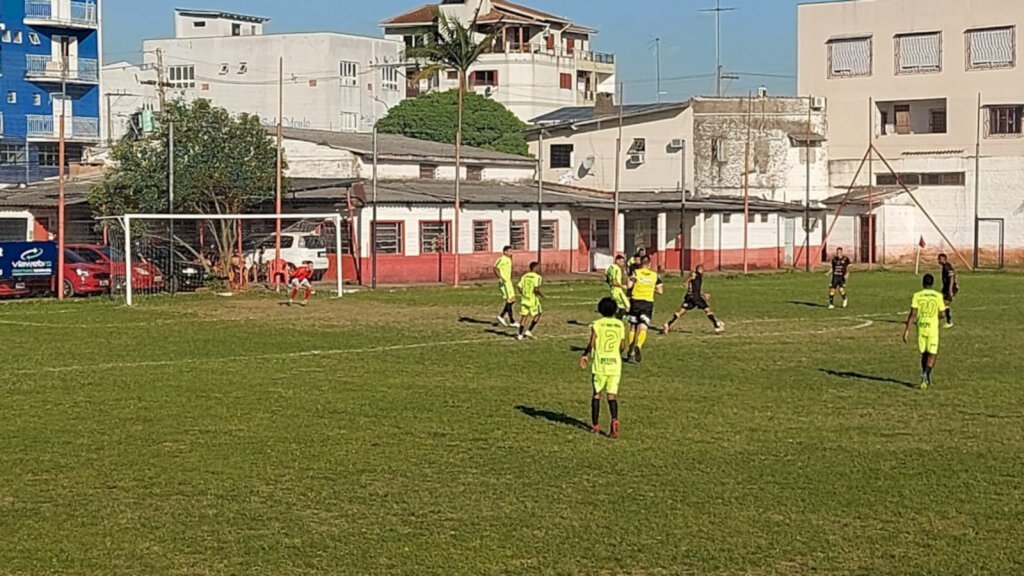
{"points": [[807, 198], [170, 200], [977, 189], [657, 55], [682, 209], [60, 171], [540, 198], [110, 122], [718, 48], [127, 260], [746, 184], [373, 224], [618, 172], [871, 184], [337, 250], [280, 178]]}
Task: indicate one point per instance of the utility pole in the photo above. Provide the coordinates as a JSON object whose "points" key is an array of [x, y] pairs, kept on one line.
{"points": [[161, 86], [373, 224], [746, 184], [110, 122], [540, 198], [682, 209], [170, 199], [657, 57], [280, 178], [719, 70], [618, 171], [807, 191], [62, 153]]}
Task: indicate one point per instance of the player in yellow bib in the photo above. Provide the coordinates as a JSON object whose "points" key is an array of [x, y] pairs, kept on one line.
{"points": [[616, 285], [530, 303], [646, 283], [503, 272], [603, 355], [926, 308]]}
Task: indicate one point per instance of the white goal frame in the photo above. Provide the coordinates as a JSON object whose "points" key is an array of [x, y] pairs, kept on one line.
{"points": [[126, 223]]}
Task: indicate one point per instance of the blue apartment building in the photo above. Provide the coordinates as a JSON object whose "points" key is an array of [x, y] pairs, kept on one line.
{"points": [[44, 45]]}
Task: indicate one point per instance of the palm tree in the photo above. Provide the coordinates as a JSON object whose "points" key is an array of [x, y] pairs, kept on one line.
{"points": [[455, 47]]}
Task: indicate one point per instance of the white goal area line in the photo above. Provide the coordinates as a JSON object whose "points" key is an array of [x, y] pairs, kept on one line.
{"points": [[126, 223]]}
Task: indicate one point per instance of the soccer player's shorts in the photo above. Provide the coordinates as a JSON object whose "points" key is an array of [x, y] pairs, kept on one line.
{"points": [[838, 282], [530, 308], [641, 312], [691, 302], [947, 294], [608, 383], [508, 291], [619, 295], [928, 341], [304, 283]]}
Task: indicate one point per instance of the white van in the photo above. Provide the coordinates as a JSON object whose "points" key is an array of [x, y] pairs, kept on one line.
{"points": [[296, 248]]}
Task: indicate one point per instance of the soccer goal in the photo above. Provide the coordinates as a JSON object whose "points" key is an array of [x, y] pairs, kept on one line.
{"points": [[224, 253]]}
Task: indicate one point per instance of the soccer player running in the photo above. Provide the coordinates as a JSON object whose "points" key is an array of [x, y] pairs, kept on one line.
{"points": [[695, 299], [300, 278], [603, 355], [530, 305], [646, 283], [950, 287], [614, 277], [840, 274], [503, 272], [925, 309]]}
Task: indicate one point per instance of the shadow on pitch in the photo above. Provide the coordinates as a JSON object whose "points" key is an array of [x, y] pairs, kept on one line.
{"points": [[577, 323], [500, 333], [468, 320], [807, 304], [554, 417], [867, 377]]}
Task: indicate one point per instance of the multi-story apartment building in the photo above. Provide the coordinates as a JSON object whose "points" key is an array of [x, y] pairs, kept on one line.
{"points": [[334, 82], [50, 62], [539, 62], [938, 87]]}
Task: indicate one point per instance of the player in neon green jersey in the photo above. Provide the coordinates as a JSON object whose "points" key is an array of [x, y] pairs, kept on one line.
{"points": [[530, 308], [603, 355], [614, 278], [503, 272], [925, 308]]}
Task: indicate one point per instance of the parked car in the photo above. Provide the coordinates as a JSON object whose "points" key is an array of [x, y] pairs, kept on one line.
{"points": [[82, 277], [188, 274], [145, 276], [296, 248]]}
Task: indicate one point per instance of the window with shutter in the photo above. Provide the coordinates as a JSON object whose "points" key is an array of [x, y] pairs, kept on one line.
{"points": [[991, 48], [919, 53], [849, 57]]}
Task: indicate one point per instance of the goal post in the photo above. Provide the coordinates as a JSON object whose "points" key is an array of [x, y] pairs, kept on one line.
{"points": [[153, 253]]}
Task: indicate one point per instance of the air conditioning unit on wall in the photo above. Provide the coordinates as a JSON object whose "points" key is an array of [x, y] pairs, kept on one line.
{"points": [[636, 159], [818, 103]]}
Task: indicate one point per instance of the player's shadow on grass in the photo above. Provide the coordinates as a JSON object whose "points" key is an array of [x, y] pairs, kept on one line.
{"points": [[577, 323], [500, 333], [468, 320], [554, 417], [806, 304], [867, 377]]}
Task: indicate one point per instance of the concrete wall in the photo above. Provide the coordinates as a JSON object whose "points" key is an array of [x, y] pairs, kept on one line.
{"points": [[187, 26], [122, 84], [315, 95]]}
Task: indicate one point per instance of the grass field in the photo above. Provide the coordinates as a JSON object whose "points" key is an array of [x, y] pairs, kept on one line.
{"points": [[401, 433]]}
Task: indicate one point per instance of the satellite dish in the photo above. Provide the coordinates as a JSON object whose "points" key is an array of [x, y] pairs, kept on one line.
{"points": [[588, 164]]}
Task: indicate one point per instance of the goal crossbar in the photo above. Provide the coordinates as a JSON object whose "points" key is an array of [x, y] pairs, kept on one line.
{"points": [[126, 222]]}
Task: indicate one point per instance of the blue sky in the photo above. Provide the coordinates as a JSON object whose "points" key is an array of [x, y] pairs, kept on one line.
{"points": [[759, 37]]}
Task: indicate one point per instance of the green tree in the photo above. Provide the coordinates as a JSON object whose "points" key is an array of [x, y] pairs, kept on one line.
{"points": [[455, 47], [486, 123], [224, 164]]}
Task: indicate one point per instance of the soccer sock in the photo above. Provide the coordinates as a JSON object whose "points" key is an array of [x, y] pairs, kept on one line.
{"points": [[507, 311], [613, 405], [534, 324], [924, 363], [641, 339], [595, 411], [307, 293], [714, 322], [675, 318], [295, 292], [630, 339], [949, 316], [522, 327], [843, 294], [831, 298]]}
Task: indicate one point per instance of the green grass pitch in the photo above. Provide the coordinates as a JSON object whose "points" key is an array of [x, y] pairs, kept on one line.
{"points": [[400, 433]]}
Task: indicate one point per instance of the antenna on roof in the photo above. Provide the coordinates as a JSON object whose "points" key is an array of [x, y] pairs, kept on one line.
{"points": [[719, 70]]}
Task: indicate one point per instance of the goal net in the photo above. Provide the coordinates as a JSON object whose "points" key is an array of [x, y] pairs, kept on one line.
{"points": [[221, 253]]}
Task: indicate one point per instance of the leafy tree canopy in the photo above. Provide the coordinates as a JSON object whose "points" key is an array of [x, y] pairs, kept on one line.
{"points": [[434, 116]]}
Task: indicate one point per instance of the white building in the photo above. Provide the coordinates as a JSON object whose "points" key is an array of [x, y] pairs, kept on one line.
{"points": [[907, 76], [334, 82], [539, 62], [701, 145], [125, 93]]}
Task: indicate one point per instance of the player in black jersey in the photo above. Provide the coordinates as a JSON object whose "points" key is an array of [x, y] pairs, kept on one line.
{"points": [[695, 298], [950, 286], [840, 274]]}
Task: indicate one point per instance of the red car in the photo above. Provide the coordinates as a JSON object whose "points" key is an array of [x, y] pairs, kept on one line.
{"points": [[145, 276], [82, 277]]}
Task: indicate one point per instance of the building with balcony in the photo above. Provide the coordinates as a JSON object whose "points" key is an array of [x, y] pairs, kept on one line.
{"points": [[332, 82], [50, 62], [937, 86], [539, 62]]}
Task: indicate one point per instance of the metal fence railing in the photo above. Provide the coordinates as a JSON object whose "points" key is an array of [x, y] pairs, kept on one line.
{"points": [[44, 66], [78, 13], [40, 126]]}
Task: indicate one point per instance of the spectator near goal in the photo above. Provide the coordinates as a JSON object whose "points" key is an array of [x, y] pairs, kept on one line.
{"points": [[300, 278]]}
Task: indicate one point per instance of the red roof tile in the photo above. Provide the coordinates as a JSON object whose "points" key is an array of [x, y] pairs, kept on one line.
{"points": [[423, 15]]}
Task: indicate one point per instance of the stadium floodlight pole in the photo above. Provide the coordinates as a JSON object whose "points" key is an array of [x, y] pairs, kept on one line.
{"points": [[60, 169], [280, 176], [977, 188], [373, 223]]}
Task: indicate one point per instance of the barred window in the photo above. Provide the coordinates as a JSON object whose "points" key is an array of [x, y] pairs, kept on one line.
{"points": [[1005, 120], [518, 234], [435, 237], [917, 53], [12, 154], [849, 57], [482, 236], [349, 73], [389, 78], [549, 234], [387, 237], [182, 77]]}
